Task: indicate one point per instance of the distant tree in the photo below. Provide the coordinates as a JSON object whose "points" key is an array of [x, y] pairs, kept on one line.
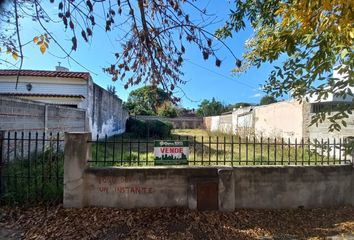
{"points": [[210, 108], [230, 107], [181, 112], [167, 109], [146, 100], [267, 100], [111, 89]]}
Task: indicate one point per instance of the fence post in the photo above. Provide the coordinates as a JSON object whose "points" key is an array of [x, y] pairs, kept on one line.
{"points": [[77, 151], [2, 135]]}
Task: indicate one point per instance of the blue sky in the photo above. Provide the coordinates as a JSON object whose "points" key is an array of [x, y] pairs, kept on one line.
{"points": [[204, 79]]}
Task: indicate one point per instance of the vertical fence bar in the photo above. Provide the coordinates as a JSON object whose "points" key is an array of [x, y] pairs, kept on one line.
{"points": [[289, 152], [232, 150], [295, 151], [35, 165], [268, 143], [15, 143], [334, 151], [340, 150], [209, 152], [246, 150], [105, 150], [28, 165], [345, 150], [147, 151], [328, 150], [309, 151], [50, 155], [217, 150], [275, 151], [261, 150], [8, 157], [21, 165], [15, 161], [239, 150], [203, 150], [130, 151], [322, 153], [96, 149], [316, 151], [302, 151], [224, 150], [22, 154], [194, 147], [138, 151], [43, 161], [2, 163], [254, 150], [121, 150], [282, 151], [57, 162], [113, 149]]}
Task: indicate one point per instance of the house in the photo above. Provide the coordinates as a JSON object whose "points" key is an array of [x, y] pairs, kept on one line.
{"points": [[104, 111]]}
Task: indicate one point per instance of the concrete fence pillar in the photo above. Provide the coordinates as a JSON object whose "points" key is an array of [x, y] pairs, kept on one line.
{"points": [[77, 152]]}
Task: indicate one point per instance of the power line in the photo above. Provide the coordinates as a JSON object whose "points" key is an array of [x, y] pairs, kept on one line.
{"points": [[221, 75]]}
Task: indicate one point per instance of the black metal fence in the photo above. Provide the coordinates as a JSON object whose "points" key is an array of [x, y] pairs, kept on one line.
{"points": [[32, 164], [225, 150], [31, 167]]}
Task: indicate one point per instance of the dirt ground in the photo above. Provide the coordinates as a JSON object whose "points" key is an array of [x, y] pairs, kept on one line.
{"points": [[174, 223]]}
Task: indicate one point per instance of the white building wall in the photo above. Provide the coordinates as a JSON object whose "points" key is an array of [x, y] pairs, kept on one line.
{"points": [[214, 126], [47, 85]]}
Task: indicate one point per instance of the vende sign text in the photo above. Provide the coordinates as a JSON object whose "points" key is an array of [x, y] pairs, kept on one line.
{"points": [[169, 152]]}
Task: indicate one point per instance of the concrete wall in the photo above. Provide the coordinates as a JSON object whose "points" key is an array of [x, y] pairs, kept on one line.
{"points": [[139, 187], [178, 122], [292, 187], [108, 114], [283, 119], [321, 130], [217, 188], [225, 123], [24, 115]]}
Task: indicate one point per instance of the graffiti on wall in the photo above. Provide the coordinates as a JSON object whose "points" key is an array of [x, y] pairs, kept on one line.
{"points": [[112, 185]]}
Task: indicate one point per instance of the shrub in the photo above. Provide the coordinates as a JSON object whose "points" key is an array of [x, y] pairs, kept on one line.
{"points": [[150, 128]]}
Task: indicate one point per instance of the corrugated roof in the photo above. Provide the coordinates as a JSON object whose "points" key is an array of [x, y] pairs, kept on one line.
{"points": [[41, 95], [44, 73]]}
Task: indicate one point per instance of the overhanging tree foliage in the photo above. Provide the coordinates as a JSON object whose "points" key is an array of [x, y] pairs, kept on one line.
{"points": [[152, 34], [314, 37]]}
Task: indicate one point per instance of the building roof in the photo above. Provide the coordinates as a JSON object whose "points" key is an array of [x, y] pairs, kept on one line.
{"points": [[45, 73], [41, 95]]}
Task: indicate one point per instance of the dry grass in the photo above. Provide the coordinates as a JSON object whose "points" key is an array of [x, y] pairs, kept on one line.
{"points": [[212, 149]]}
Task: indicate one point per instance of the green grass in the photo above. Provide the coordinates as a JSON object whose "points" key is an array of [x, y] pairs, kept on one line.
{"points": [[38, 178], [210, 149]]}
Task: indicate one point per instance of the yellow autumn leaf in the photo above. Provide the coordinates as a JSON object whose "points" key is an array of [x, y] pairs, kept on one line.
{"points": [[327, 5], [43, 48], [15, 56], [35, 39], [8, 50]]}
